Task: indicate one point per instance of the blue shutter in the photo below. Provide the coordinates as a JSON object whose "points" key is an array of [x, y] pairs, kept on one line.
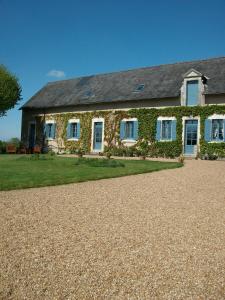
{"points": [[122, 129], [224, 130], [78, 130], [208, 128], [68, 131], [135, 130], [158, 130], [53, 130], [174, 130]]}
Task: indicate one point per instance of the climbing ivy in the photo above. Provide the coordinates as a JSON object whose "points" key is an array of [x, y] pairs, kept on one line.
{"points": [[147, 130]]}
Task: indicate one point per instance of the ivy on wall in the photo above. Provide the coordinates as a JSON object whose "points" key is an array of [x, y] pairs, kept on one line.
{"points": [[147, 130]]}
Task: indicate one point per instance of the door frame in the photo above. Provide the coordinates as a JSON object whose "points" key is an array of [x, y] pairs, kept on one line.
{"points": [[35, 131], [190, 118], [95, 120]]}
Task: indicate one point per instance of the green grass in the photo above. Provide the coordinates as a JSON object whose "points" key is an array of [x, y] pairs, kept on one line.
{"points": [[20, 171]]}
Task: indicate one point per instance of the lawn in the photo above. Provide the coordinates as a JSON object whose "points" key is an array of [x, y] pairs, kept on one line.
{"points": [[20, 171]]}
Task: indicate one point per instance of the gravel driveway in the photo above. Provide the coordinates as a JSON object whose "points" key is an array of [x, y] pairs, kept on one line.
{"points": [[152, 236]]}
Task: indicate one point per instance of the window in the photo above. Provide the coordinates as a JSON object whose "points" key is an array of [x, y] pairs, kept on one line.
{"points": [[217, 130], [129, 130], [139, 88], [50, 130], [166, 130], [73, 129], [192, 97]]}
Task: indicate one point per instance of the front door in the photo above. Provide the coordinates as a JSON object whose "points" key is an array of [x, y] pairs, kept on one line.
{"points": [[32, 135], [191, 137], [97, 142]]}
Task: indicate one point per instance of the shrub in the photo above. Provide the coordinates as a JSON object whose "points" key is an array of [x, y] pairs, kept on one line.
{"points": [[96, 162]]}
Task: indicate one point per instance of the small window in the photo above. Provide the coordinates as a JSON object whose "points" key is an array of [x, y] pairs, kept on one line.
{"points": [[139, 88], [73, 130], [129, 130], [217, 130], [50, 130], [166, 130], [88, 94]]}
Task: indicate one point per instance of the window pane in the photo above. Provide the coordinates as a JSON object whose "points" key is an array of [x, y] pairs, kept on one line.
{"points": [[166, 129], [73, 128], [129, 130], [217, 130], [49, 130]]}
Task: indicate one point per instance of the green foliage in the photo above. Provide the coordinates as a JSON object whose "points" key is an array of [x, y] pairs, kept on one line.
{"points": [[104, 163], [10, 90], [2, 147], [147, 144]]}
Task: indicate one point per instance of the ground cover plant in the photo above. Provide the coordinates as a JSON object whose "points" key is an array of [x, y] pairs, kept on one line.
{"points": [[26, 171]]}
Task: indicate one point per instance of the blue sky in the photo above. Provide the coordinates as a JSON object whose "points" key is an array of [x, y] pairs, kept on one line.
{"points": [[47, 40]]}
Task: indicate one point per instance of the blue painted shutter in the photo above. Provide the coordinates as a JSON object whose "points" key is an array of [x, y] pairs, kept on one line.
{"points": [[158, 130], [46, 130], [122, 129], [78, 130], [68, 130], [135, 130], [53, 130], [224, 130], [174, 130], [208, 128]]}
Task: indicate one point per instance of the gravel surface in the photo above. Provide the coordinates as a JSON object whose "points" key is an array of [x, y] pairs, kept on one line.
{"points": [[151, 236]]}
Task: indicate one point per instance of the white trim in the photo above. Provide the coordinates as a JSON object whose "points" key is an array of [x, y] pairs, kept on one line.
{"points": [[216, 117], [95, 120], [73, 139], [129, 120], [74, 121], [166, 118], [184, 119], [50, 121]]}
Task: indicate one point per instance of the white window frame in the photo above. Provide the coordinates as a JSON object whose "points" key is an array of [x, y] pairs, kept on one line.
{"points": [[73, 121]]}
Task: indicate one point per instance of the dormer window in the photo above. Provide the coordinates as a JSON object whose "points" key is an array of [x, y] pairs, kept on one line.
{"points": [[139, 88], [192, 90]]}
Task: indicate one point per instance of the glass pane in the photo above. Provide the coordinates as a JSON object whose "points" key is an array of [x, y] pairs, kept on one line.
{"points": [[166, 129], [217, 130]]}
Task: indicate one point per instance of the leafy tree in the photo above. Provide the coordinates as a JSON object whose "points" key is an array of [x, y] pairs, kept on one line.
{"points": [[10, 90]]}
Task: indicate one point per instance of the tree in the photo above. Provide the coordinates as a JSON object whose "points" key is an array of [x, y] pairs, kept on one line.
{"points": [[10, 90]]}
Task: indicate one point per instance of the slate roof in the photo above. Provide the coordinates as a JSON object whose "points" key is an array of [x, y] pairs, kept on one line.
{"points": [[163, 81]]}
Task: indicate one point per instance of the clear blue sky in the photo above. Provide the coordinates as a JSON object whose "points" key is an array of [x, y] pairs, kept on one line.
{"points": [[94, 36]]}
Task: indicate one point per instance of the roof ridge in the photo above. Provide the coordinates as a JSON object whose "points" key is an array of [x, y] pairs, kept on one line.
{"points": [[141, 68]]}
